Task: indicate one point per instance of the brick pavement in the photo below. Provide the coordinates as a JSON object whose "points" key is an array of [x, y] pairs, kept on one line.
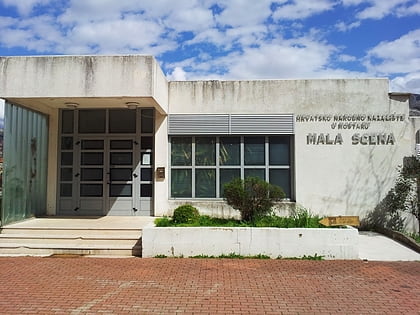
{"points": [[31, 285]]}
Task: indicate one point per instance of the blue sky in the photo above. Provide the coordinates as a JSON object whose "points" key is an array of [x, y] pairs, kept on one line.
{"points": [[229, 39]]}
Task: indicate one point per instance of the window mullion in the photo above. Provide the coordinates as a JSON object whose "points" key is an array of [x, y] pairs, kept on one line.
{"points": [[242, 157], [267, 158], [193, 167], [217, 168]]}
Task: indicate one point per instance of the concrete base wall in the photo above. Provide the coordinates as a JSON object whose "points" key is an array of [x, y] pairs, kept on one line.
{"points": [[274, 242]]}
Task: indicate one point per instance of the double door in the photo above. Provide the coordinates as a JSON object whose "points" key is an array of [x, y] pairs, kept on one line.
{"points": [[112, 176]]}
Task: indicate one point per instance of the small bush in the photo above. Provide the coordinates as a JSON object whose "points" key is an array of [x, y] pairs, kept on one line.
{"points": [[300, 218], [185, 214], [253, 197], [163, 222]]}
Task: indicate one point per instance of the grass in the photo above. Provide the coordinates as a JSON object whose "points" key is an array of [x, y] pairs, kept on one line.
{"points": [[301, 219], [304, 257], [237, 256], [414, 236]]}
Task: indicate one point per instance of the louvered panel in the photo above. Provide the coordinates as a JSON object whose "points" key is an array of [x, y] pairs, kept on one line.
{"points": [[262, 124], [189, 124]]}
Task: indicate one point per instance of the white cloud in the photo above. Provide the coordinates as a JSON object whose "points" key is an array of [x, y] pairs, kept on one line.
{"points": [[178, 74], [300, 9], [243, 13], [409, 10], [399, 56], [346, 58], [408, 83], [113, 36], [345, 27], [378, 9], [299, 58], [25, 7]]}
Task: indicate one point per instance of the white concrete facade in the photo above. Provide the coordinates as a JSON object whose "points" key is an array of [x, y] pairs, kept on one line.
{"points": [[349, 135]]}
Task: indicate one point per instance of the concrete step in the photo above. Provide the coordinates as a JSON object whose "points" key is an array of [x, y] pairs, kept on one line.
{"points": [[12, 246], [92, 237], [71, 232], [31, 250], [70, 241]]}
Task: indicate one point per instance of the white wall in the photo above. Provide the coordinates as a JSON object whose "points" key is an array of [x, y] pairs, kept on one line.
{"points": [[331, 179]]}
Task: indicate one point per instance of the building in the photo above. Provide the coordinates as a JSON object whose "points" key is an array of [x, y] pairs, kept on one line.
{"points": [[109, 135]]}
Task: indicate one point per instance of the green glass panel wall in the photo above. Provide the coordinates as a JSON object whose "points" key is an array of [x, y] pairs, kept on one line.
{"points": [[25, 164]]}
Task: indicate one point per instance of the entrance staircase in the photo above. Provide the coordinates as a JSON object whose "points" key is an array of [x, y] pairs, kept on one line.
{"points": [[87, 236]]}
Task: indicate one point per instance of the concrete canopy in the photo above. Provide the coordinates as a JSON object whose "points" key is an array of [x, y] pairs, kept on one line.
{"points": [[50, 82]]}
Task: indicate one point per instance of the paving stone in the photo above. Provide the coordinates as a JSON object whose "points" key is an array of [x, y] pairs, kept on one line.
{"points": [[34, 285]]}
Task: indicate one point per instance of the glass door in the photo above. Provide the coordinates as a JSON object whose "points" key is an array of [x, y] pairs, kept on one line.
{"points": [[91, 177], [121, 177], [106, 162]]}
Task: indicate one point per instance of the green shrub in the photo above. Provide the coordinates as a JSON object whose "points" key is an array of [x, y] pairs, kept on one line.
{"points": [[300, 218], [253, 197], [163, 222], [185, 214]]}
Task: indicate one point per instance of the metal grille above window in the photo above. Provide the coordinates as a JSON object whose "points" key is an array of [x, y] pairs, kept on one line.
{"points": [[213, 124]]}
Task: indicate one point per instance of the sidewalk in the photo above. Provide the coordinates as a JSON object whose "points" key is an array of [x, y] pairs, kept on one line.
{"points": [[374, 246], [31, 285]]}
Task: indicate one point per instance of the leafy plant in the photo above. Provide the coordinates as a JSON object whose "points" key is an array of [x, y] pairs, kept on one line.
{"points": [[252, 196], [300, 218], [185, 214], [403, 197], [163, 222]]}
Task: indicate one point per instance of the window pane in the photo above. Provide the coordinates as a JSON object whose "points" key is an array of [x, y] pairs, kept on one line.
{"points": [[91, 174], [91, 190], [92, 158], [281, 177], [121, 158], [181, 150], [205, 151], [122, 121], [255, 172], [146, 143], [230, 151], [181, 183], [66, 158], [146, 174], [92, 121], [146, 190], [226, 175], [66, 143], [92, 144], [279, 150], [205, 183], [67, 121], [254, 150], [147, 120], [120, 190], [66, 174], [66, 190], [121, 144], [122, 174]]}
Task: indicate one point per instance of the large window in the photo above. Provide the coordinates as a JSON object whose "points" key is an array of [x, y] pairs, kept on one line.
{"points": [[202, 165]]}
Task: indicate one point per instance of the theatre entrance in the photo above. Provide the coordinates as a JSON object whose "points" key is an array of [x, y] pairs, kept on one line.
{"points": [[106, 162]]}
